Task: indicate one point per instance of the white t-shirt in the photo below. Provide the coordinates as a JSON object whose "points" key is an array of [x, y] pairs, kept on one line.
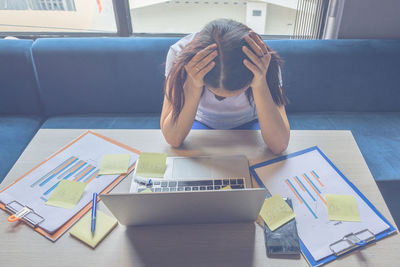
{"points": [[227, 113]]}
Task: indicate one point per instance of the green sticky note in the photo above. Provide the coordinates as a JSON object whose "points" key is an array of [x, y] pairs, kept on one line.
{"points": [[67, 194], [82, 229], [276, 212], [151, 165], [115, 164], [342, 208]]}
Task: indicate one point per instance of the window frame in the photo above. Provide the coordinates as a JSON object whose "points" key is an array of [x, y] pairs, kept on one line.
{"points": [[124, 28], [122, 19]]}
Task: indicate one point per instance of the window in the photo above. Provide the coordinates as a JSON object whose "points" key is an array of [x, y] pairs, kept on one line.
{"points": [[13, 5], [302, 19], [267, 17], [256, 13], [68, 5], [310, 19], [93, 16]]}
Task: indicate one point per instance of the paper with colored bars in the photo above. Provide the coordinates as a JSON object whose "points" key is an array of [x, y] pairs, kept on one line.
{"points": [[306, 179], [79, 161]]}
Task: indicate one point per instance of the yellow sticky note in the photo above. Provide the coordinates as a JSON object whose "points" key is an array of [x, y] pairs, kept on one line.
{"points": [[67, 194], [342, 208], [276, 212], [151, 165], [115, 164], [226, 187], [82, 229]]}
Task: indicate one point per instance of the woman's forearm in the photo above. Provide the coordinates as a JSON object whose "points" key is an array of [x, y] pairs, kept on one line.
{"points": [[176, 131], [273, 121]]}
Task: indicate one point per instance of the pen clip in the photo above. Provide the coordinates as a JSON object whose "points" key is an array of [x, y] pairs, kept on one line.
{"points": [[143, 180]]}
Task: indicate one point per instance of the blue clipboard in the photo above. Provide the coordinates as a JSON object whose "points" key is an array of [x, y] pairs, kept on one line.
{"points": [[304, 250]]}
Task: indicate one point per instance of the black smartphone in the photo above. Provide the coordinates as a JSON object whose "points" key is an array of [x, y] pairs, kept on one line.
{"points": [[284, 241]]}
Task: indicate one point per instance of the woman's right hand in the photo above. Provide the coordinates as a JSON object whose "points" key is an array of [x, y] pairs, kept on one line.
{"points": [[200, 65]]}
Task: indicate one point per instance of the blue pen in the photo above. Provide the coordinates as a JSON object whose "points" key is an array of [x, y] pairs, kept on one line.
{"points": [[94, 207]]}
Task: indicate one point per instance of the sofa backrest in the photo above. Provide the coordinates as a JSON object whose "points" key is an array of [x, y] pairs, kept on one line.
{"points": [[101, 75], [18, 86], [126, 75], [341, 75]]}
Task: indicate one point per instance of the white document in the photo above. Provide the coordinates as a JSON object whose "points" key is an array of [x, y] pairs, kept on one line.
{"points": [[81, 162], [311, 172]]}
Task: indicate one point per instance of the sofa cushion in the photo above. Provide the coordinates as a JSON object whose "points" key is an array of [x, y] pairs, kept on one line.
{"points": [[109, 121], [103, 121], [101, 75], [318, 75], [377, 136], [15, 134], [117, 121], [340, 75], [18, 87]]}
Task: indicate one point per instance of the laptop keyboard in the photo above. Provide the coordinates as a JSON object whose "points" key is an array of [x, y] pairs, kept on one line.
{"points": [[190, 185]]}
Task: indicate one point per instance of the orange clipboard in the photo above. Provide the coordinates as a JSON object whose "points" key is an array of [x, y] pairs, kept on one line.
{"points": [[53, 237]]}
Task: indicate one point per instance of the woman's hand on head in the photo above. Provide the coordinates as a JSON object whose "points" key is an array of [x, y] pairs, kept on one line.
{"points": [[259, 56], [200, 65]]}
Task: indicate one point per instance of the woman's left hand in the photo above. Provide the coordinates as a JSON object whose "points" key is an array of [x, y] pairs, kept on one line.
{"points": [[260, 59]]}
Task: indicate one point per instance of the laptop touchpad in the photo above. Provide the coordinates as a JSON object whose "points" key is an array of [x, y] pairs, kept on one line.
{"points": [[210, 167], [192, 168]]}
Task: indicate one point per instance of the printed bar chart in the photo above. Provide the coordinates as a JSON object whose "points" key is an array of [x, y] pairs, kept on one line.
{"points": [[53, 172], [78, 169], [300, 197], [306, 189]]}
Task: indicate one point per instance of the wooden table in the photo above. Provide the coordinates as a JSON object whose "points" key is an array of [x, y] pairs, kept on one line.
{"points": [[187, 245]]}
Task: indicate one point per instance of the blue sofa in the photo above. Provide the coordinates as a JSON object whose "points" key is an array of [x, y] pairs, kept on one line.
{"points": [[118, 83], [21, 112]]}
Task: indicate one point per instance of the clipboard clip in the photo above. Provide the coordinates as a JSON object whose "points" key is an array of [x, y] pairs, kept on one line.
{"points": [[20, 214], [24, 213], [351, 241]]}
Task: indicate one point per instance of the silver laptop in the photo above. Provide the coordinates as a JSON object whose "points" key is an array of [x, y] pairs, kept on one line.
{"points": [[190, 192]]}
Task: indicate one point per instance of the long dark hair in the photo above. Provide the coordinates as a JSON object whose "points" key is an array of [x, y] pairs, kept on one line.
{"points": [[229, 70]]}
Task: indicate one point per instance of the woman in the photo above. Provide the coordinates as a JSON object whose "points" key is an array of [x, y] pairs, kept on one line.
{"points": [[224, 76]]}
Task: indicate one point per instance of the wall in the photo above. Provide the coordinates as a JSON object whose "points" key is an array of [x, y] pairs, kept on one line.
{"points": [[280, 20], [181, 17], [256, 21], [370, 19]]}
